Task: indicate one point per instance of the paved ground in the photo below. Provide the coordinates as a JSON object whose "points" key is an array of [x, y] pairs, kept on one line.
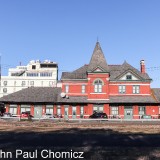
{"points": [[97, 141]]}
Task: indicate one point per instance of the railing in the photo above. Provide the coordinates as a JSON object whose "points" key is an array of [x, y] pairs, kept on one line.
{"points": [[81, 120]]}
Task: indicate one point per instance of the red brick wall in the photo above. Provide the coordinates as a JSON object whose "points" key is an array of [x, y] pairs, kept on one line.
{"points": [[105, 87], [144, 89]]}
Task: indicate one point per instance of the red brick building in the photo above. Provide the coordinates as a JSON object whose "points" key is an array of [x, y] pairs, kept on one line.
{"points": [[121, 91]]}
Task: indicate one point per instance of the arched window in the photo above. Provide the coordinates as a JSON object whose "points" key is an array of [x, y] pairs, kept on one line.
{"points": [[98, 86]]}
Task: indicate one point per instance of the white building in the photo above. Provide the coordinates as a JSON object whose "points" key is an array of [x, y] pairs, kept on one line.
{"points": [[35, 74]]}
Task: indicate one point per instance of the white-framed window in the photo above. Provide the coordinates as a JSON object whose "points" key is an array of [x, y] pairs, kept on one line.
{"points": [[122, 89], [32, 83], [49, 109], [13, 109], [74, 110], [4, 90], [136, 89], [23, 83], [98, 86], [58, 110], [66, 88], [142, 110], [83, 88], [98, 108], [25, 108], [114, 110]]}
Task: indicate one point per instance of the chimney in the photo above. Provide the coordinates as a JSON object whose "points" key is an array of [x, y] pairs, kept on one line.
{"points": [[143, 67]]}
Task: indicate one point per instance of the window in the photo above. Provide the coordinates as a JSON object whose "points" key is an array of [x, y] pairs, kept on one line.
{"points": [[83, 88], [4, 90], [5, 83], [114, 110], [142, 110], [13, 109], [136, 89], [33, 66], [81, 111], [67, 88], [32, 74], [74, 110], [23, 83], [98, 86], [46, 74], [58, 110], [128, 77], [97, 109], [32, 83], [49, 109], [122, 89], [51, 83], [25, 108]]}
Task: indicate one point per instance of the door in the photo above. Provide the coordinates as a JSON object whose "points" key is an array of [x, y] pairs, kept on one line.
{"points": [[128, 113], [74, 112], [66, 112], [37, 111], [81, 111]]}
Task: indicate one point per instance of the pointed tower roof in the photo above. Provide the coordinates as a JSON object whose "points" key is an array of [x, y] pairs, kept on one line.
{"points": [[98, 60]]}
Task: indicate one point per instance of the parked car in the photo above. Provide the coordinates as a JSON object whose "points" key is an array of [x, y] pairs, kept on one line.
{"points": [[7, 114], [98, 115], [26, 115], [58, 116], [48, 115]]}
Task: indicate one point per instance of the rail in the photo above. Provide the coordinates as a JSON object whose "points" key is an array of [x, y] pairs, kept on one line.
{"points": [[18, 118]]}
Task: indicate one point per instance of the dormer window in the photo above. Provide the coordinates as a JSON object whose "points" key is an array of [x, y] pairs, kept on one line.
{"points": [[98, 86], [128, 77]]}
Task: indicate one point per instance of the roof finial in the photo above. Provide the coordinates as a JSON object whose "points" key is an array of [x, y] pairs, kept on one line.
{"points": [[97, 38]]}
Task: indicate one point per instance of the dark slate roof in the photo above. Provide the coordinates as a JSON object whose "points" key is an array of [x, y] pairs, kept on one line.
{"points": [[80, 73], [117, 71], [72, 99], [156, 93], [97, 59], [126, 99], [132, 99], [33, 94]]}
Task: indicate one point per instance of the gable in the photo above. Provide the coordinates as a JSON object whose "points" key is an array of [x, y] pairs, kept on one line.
{"points": [[129, 77], [98, 69]]}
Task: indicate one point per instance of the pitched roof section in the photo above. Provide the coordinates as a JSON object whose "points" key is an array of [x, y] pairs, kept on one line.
{"points": [[98, 60], [156, 92], [80, 73], [119, 70], [33, 95]]}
